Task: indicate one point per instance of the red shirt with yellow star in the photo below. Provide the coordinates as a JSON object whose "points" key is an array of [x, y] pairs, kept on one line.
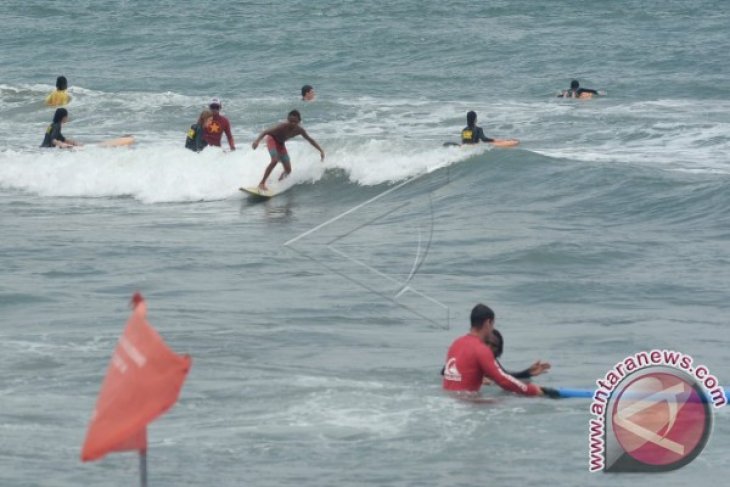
{"points": [[215, 129]]}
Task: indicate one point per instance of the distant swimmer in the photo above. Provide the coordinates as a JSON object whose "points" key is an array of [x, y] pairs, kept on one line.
{"points": [[54, 137], [469, 360], [473, 134], [59, 97], [308, 93], [276, 138], [218, 125], [576, 91], [194, 141]]}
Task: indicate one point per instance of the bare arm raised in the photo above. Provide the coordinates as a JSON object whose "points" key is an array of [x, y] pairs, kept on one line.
{"points": [[314, 143]]}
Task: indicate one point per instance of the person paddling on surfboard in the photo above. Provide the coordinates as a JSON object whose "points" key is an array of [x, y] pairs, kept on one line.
{"points": [[473, 134], [469, 360], [276, 138], [576, 91], [54, 137]]}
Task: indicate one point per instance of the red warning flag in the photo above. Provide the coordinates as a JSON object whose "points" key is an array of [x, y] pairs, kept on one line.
{"points": [[143, 381]]}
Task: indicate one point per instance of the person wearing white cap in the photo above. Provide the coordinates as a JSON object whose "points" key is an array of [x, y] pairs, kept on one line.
{"points": [[218, 124]]}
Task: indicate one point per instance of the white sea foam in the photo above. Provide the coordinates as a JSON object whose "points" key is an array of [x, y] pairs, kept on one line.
{"points": [[373, 140], [168, 173], [680, 135]]}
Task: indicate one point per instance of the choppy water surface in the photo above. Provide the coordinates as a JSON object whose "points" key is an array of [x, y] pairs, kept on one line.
{"points": [[605, 233]]}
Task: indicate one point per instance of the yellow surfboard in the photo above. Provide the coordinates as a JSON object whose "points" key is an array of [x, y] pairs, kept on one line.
{"points": [[259, 193], [255, 192]]}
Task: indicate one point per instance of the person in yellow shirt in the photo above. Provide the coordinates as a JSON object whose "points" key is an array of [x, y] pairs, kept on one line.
{"points": [[59, 97]]}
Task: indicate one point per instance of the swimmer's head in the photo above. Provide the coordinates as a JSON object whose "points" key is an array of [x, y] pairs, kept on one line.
{"points": [[60, 115], [482, 316], [574, 84], [496, 343], [215, 105], [471, 118], [307, 93], [61, 83], [294, 116]]}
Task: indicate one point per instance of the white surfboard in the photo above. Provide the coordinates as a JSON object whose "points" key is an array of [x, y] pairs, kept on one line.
{"points": [[264, 194], [255, 191]]}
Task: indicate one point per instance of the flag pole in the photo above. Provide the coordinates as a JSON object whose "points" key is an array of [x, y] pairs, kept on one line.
{"points": [[143, 468]]}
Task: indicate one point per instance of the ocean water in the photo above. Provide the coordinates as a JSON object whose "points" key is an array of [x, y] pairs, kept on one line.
{"points": [[318, 320]]}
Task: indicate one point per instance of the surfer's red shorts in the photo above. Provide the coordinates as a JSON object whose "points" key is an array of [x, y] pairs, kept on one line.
{"points": [[277, 149]]}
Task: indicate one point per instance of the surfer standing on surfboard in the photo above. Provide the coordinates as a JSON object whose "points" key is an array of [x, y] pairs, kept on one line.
{"points": [[275, 141], [469, 360]]}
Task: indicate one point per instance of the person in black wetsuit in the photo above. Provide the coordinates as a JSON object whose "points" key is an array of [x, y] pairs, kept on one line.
{"points": [[54, 137], [471, 134], [496, 343], [194, 140], [576, 91]]}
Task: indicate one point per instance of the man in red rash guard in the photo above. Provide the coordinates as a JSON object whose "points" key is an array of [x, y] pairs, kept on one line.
{"points": [[217, 126], [469, 359]]}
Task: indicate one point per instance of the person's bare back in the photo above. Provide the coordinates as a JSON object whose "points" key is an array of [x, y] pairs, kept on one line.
{"points": [[285, 131], [277, 136]]}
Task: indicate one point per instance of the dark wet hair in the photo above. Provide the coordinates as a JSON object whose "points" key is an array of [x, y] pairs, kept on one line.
{"points": [[296, 114], [61, 83], [59, 115], [496, 343], [574, 84], [471, 118], [479, 314], [306, 89]]}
